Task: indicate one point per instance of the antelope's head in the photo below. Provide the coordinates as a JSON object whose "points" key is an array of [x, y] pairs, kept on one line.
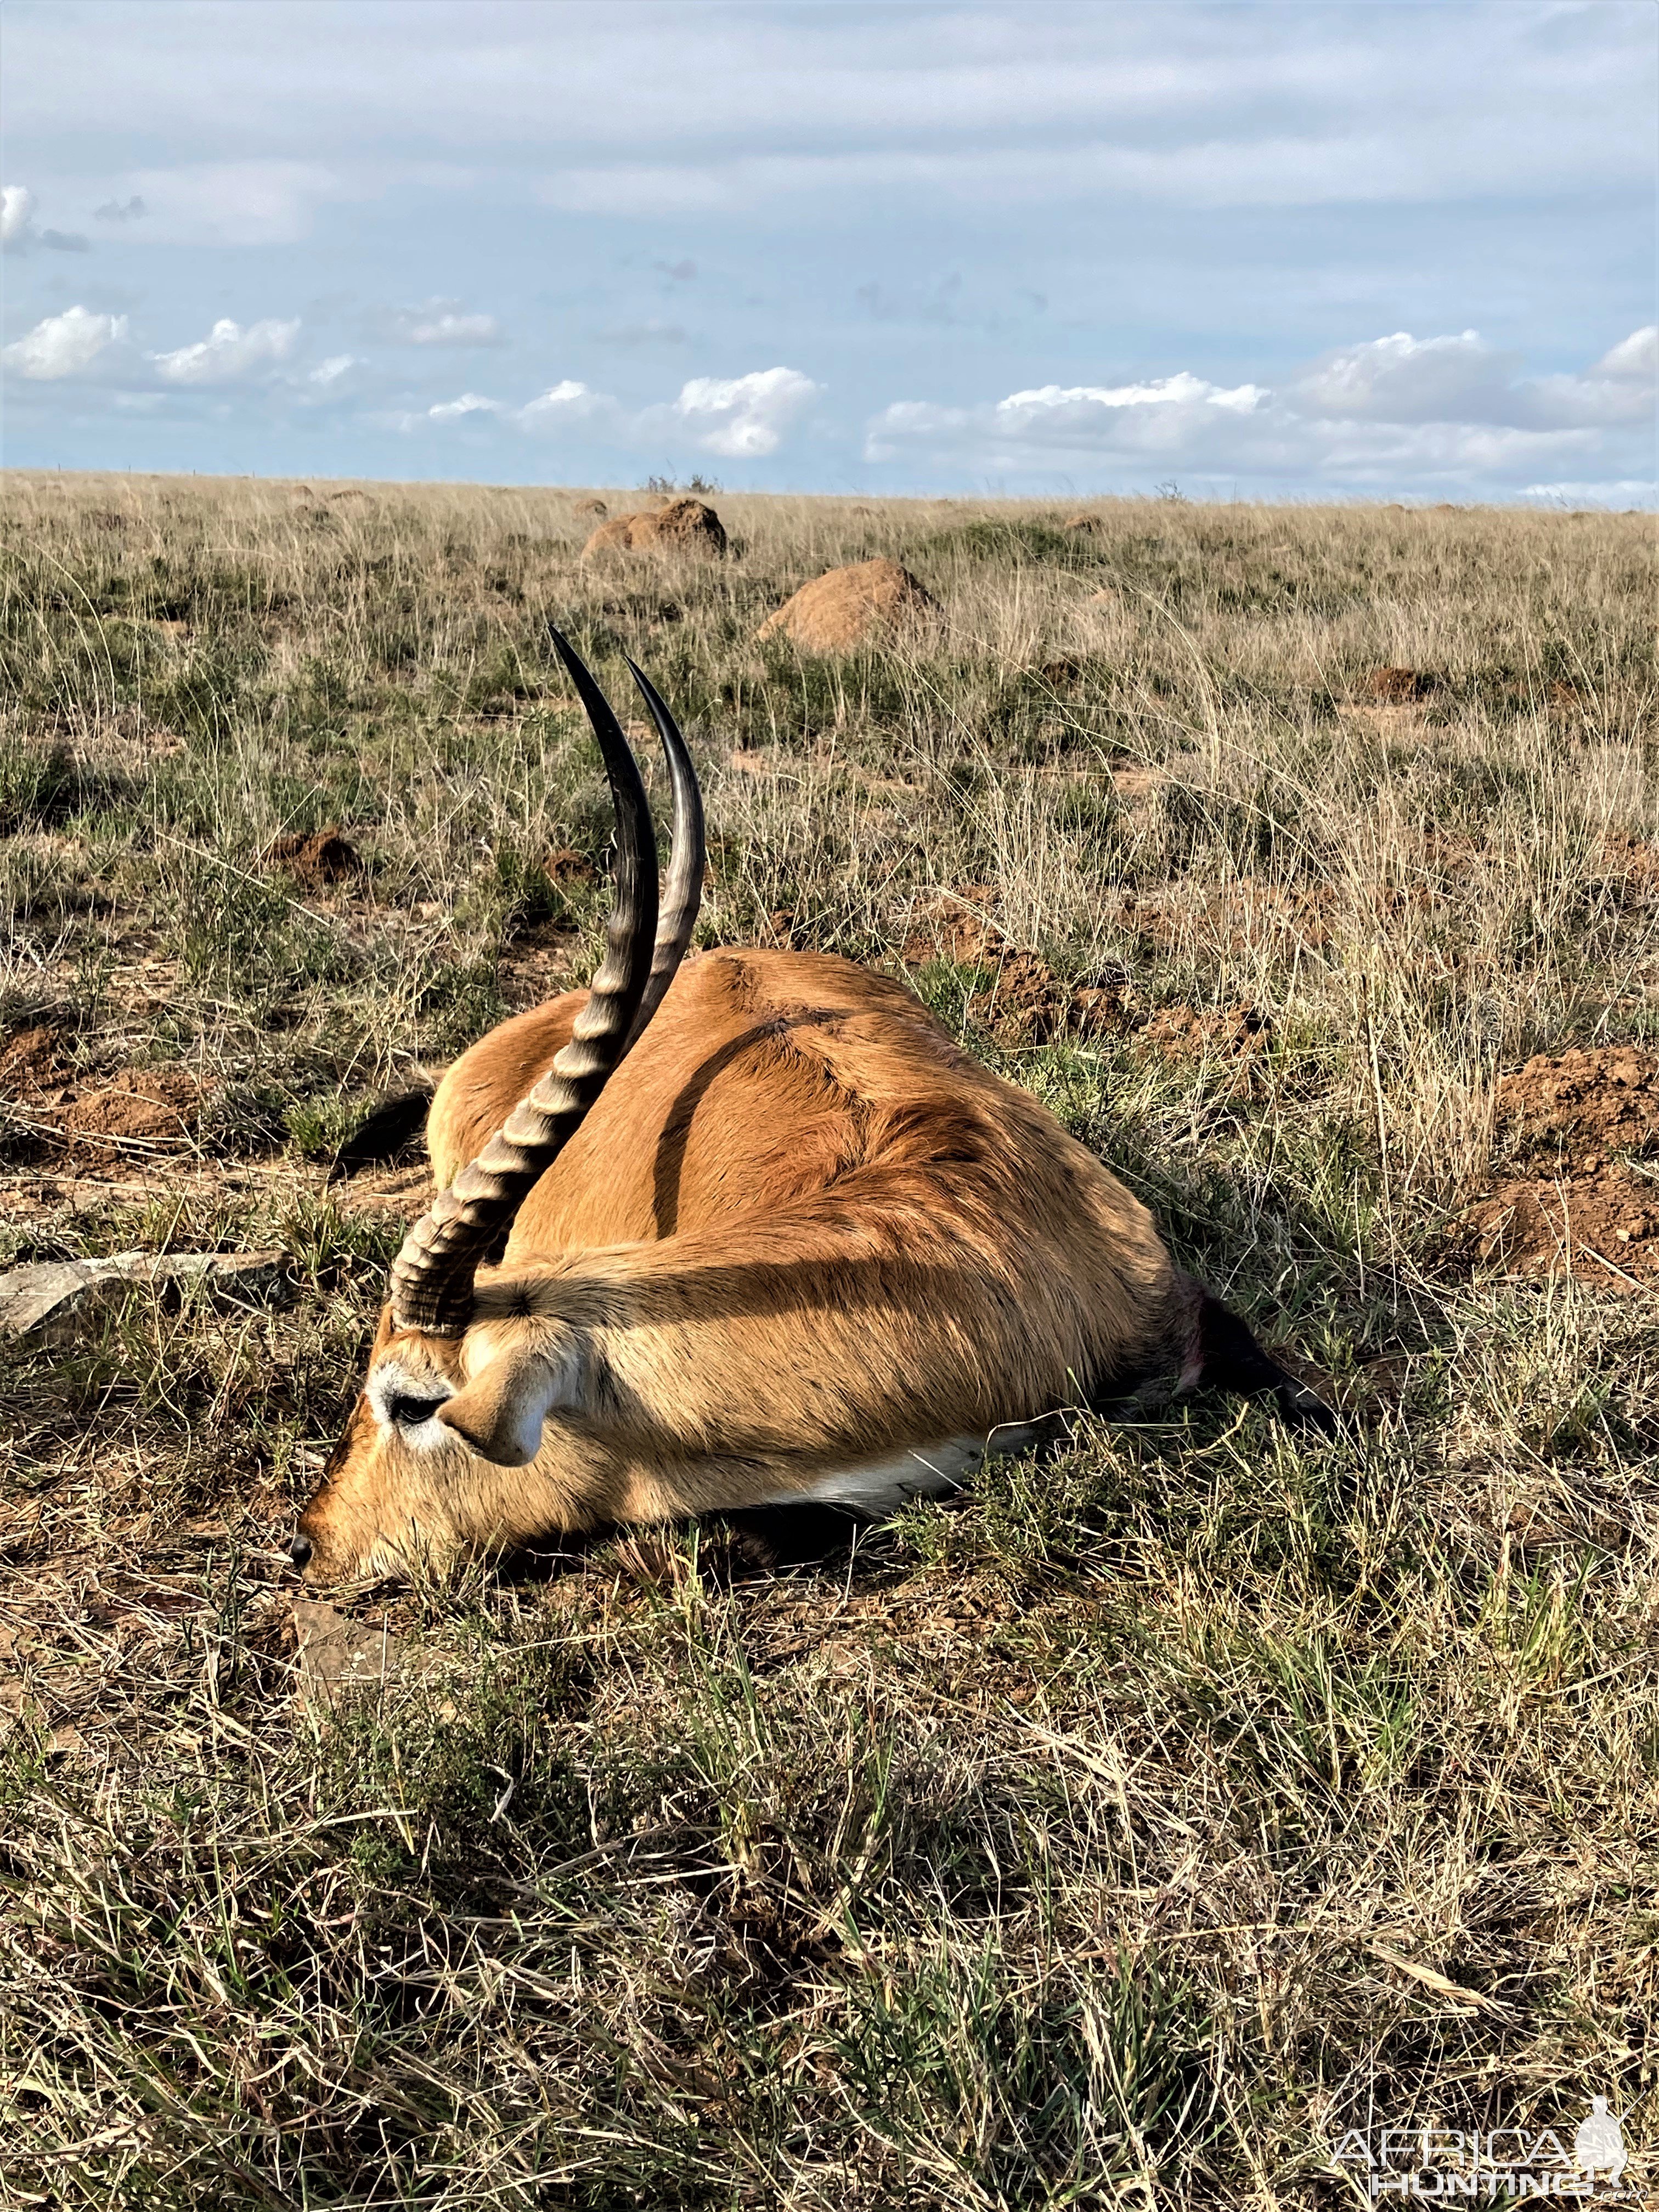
{"points": [[462, 1375]]}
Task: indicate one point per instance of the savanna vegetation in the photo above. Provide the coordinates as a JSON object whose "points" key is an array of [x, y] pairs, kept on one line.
{"points": [[1124, 1830]]}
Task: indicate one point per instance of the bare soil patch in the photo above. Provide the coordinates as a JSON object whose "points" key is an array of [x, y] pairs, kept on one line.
{"points": [[1583, 1107], [1587, 1207], [31, 1061], [567, 866], [1197, 1033], [146, 1107]]}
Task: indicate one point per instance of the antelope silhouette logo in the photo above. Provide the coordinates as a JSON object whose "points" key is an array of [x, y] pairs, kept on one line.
{"points": [[1598, 2145]]}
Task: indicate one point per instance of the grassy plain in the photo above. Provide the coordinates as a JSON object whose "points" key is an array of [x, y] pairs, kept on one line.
{"points": [[1124, 1832]]}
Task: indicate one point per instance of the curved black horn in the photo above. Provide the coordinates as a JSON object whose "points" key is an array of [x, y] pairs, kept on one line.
{"points": [[432, 1276], [688, 859]]}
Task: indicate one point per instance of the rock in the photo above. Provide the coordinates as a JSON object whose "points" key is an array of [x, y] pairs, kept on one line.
{"points": [[52, 1300], [683, 525], [846, 607]]}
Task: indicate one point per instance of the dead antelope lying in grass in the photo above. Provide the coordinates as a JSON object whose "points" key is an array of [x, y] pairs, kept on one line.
{"points": [[766, 1236]]}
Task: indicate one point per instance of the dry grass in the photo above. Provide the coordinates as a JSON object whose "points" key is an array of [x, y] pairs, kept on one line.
{"points": [[1056, 1847]]}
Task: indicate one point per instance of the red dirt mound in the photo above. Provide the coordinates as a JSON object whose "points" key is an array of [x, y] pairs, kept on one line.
{"points": [[1025, 1002], [1580, 1106], [323, 857], [845, 607], [152, 1105], [1600, 1227], [1570, 1122], [1398, 687], [1191, 1033], [31, 1061], [684, 525]]}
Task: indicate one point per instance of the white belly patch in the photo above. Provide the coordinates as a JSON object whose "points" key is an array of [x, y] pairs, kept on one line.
{"points": [[925, 1471]]}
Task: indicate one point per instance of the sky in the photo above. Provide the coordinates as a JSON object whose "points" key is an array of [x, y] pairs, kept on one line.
{"points": [[1381, 250]]}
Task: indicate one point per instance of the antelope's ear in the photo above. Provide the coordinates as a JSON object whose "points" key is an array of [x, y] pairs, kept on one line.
{"points": [[499, 1414]]}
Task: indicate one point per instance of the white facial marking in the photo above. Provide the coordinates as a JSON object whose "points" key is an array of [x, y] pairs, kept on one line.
{"points": [[407, 1399]]}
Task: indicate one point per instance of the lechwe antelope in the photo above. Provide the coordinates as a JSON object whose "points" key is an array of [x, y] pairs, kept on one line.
{"points": [[766, 1236]]}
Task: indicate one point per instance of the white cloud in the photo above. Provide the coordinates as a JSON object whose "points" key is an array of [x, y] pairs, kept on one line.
{"points": [[559, 405], [445, 327], [1164, 419], [65, 345], [568, 402], [330, 371], [1409, 104], [469, 403], [17, 213], [229, 352], [1638, 356], [746, 417], [1621, 491], [1388, 412], [1179, 391], [1400, 378]]}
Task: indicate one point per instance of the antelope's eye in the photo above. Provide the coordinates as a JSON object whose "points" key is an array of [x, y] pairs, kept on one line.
{"points": [[410, 1413]]}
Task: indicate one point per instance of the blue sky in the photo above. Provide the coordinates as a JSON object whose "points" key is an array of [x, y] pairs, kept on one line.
{"points": [[1361, 250]]}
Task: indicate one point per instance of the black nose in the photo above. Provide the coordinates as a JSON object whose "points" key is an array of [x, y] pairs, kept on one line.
{"points": [[299, 1551]]}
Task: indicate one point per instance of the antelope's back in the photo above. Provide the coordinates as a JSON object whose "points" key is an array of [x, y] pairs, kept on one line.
{"points": [[767, 1077]]}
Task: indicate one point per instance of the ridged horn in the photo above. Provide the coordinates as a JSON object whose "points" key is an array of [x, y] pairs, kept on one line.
{"points": [[688, 857], [432, 1276]]}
